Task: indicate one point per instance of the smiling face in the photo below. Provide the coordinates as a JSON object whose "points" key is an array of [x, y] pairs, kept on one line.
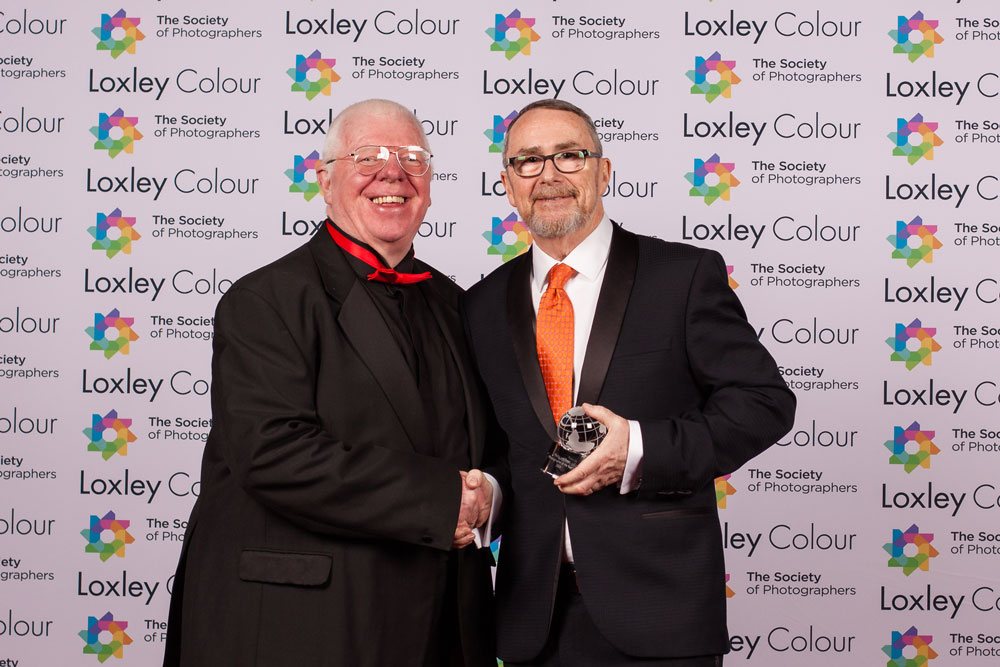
{"points": [[554, 204], [385, 209]]}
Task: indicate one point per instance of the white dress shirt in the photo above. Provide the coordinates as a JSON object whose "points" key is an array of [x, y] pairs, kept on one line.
{"points": [[590, 260]]}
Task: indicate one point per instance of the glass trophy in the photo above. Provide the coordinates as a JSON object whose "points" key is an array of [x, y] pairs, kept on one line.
{"points": [[579, 435]]}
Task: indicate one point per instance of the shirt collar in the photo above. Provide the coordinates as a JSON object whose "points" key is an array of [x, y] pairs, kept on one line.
{"points": [[587, 259]]}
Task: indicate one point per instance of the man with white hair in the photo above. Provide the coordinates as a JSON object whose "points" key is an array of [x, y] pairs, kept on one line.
{"points": [[335, 500]]}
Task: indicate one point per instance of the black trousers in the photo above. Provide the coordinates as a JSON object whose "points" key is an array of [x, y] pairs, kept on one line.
{"points": [[574, 640]]}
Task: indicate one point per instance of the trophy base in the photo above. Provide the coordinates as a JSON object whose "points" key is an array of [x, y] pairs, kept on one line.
{"points": [[561, 461]]}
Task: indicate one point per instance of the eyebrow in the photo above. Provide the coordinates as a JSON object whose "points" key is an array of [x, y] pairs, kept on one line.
{"points": [[535, 150]]}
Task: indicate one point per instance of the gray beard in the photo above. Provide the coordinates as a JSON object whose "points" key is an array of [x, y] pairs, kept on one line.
{"points": [[546, 229]]}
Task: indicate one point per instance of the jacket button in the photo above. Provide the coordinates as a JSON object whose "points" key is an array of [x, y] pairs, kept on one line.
{"points": [[427, 539]]}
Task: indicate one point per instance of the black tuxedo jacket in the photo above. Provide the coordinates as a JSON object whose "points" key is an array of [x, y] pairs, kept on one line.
{"points": [[324, 526], [671, 348]]}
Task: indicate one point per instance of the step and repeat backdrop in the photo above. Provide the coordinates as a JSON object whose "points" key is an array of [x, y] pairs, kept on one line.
{"points": [[841, 155]]}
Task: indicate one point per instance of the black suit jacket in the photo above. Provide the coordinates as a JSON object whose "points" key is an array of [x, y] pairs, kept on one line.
{"points": [[671, 348], [323, 528]]}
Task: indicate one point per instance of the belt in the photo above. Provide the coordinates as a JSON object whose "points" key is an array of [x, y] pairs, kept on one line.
{"points": [[567, 579]]}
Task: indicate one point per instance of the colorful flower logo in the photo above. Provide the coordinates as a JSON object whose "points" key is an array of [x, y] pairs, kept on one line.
{"points": [[911, 638], [297, 175], [922, 349], [712, 179], [119, 538], [914, 241], [497, 133], [915, 130], [113, 233], [118, 34], [730, 593], [713, 77], [305, 81], [508, 238], [106, 327], [897, 550], [732, 281], [107, 125], [109, 435], [901, 437], [105, 650], [915, 36], [723, 489], [526, 34]]}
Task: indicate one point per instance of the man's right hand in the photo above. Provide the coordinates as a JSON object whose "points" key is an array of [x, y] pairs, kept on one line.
{"points": [[477, 499]]}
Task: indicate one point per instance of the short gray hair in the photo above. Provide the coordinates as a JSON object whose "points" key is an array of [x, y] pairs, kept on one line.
{"points": [[557, 105], [333, 145]]}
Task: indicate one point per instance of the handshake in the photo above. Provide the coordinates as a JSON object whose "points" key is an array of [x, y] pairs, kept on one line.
{"points": [[477, 499]]}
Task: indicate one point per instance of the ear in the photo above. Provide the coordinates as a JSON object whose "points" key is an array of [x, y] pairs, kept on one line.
{"points": [[325, 183], [506, 187], [603, 173]]}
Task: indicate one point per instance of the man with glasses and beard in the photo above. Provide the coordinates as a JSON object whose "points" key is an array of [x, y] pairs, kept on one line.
{"points": [[619, 561], [335, 499]]}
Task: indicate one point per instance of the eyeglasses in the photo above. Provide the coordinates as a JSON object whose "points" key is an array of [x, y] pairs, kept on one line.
{"points": [[369, 160], [566, 162]]}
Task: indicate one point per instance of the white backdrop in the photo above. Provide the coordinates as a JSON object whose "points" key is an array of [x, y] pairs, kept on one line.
{"points": [[153, 153]]}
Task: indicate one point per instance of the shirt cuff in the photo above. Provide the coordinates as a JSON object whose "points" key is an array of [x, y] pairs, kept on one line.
{"points": [[632, 477], [483, 535]]}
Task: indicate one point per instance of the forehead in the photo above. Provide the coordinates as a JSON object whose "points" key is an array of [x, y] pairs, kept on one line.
{"points": [[380, 130], [545, 130]]}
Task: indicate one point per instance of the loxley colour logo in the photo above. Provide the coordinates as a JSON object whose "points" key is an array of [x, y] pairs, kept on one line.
{"points": [[713, 77], [109, 434], [119, 639], [913, 344], [525, 34], [915, 36], [914, 242], [730, 593], [118, 34], [723, 489], [911, 540], [122, 127], [918, 647], [921, 450], [313, 75], [115, 543], [508, 238], [732, 281], [712, 179], [113, 233], [111, 333], [297, 175], [497, 133], [915, 139]]}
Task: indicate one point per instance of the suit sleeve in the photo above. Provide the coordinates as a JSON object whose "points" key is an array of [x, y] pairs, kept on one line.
{"points": [[746, 405], [271, 439]]}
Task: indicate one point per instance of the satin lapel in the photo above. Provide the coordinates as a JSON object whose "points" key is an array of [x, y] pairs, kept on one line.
{"points": [[615, 290], [451, 328], [365, 329], [521, 320]]}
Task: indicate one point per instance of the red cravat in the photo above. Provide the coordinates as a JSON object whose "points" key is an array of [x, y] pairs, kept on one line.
{"points": [[554, 338], [382, 273]]}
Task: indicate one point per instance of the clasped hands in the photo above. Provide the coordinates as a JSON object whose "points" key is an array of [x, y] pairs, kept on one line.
{"points": [[477, 500]]}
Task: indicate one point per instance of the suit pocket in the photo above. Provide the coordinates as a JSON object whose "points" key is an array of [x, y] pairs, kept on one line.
{"points": [[659, 346], [685, 511], [285, 567]]}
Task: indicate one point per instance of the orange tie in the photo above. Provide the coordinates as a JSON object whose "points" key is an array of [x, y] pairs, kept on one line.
{"points": [[554, 338]]}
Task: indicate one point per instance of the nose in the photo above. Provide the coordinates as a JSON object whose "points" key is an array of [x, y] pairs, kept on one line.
{"points": [[392, 171], [549, 171]]}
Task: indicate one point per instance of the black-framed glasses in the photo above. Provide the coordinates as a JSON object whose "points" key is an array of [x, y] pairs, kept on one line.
{"points": [[567, 162], [369, 160]]}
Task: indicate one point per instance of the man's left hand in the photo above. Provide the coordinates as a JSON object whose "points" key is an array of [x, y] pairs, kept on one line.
{"points": [[606, 464]]}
